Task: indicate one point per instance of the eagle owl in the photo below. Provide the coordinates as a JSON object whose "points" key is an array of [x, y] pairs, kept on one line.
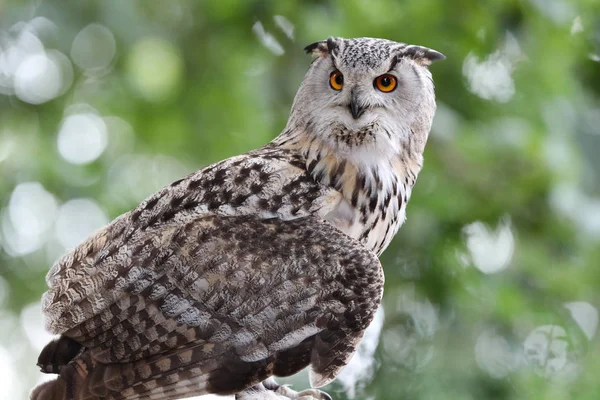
{"points": [[256, 266]]}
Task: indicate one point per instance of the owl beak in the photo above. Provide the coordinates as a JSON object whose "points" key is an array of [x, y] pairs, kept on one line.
{"points": [[355, 108]]}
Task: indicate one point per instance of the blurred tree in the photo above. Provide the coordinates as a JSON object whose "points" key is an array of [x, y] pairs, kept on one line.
{"points": [[492, 284]]}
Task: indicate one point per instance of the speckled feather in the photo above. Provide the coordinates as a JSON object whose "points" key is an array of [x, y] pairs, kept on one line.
{"points": [[241, 294], [259, 265]]}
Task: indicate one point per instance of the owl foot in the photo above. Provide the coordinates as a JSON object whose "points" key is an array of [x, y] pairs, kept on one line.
{"points": [[271, 390], [308, 394]]}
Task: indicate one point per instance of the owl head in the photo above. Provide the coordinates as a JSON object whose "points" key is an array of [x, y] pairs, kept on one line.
{"points": [[367, 98]]}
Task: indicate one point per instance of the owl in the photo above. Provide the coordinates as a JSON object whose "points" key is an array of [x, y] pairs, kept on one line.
{"points": [[256, 266]]}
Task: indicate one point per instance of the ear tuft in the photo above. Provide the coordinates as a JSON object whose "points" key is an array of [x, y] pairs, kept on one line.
{"points": [[423, 55], [316, 47], [322, 48], [433, 55]]}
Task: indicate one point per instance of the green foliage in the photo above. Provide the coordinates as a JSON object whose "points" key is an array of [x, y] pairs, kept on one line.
{"points": [[507, 173]]}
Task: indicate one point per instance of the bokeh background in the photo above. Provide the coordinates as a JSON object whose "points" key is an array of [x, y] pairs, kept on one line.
{"points": [[493, 283]]}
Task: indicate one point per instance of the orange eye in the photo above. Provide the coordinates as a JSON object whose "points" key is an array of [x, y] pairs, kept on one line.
{"points": [[336, 80], [386, 83]]}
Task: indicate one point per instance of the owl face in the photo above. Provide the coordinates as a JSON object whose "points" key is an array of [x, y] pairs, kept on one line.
{"points": [[366, 97]]}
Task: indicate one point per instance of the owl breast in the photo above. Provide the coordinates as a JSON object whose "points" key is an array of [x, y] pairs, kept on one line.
{"points": [[375, 211]]}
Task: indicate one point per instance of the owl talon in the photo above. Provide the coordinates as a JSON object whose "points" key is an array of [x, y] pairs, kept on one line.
{"points": [[270, 389], [308, 394]]}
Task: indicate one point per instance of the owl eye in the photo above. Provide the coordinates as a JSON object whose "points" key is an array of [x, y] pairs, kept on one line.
{"points": [[336, 80], [386, 83]]}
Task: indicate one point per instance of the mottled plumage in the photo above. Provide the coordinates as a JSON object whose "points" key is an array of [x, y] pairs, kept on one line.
{"points": [[259, 265]]}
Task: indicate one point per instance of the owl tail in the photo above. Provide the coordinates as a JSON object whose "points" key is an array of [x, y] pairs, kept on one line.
{"points": [[75, 381], [68, 385], [83, 377], [57, 357], [51, 390]]}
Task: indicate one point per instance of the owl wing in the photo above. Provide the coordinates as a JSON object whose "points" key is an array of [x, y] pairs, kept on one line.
{"points": [[214, 305]]}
